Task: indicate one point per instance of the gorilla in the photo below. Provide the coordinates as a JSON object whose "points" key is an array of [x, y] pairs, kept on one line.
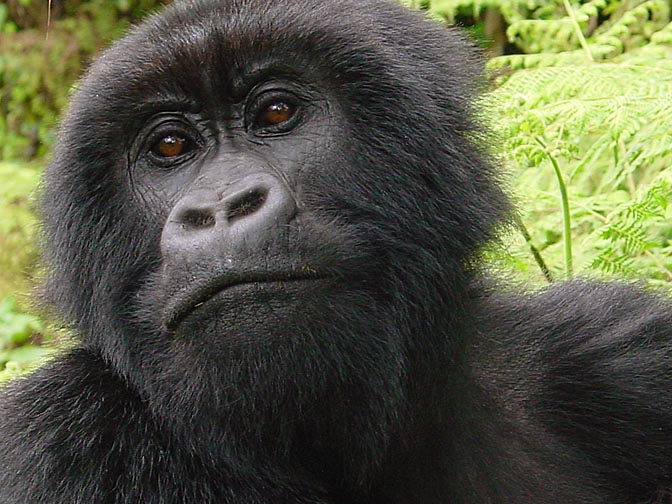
{"points": [[263, 222]]}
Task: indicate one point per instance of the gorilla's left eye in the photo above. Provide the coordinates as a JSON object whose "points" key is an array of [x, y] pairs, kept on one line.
{"points": [[171, 146], [275, 114]]}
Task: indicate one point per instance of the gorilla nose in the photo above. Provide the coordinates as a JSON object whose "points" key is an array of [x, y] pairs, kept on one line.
{"points": [[251, 213]]}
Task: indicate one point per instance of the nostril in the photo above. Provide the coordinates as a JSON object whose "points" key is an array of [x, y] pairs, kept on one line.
{"points": [[197, 218], [246, 204]]}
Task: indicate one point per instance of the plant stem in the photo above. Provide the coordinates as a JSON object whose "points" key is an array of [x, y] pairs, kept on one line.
{"points": [[535, 251], [577, 30], [566, 218]]}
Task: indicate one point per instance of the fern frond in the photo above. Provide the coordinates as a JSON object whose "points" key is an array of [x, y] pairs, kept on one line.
{"points": [[611, 263], [610, 127], [630, 234]]}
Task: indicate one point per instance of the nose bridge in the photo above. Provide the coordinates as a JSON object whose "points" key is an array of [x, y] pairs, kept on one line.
{"points": [[246, 215], [227, 161]]}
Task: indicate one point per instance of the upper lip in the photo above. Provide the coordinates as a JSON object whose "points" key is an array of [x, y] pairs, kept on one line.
{"points": [[184, 303]]}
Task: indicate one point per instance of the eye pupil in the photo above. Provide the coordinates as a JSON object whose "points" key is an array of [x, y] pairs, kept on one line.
{"points": [[276, 113], [170, 146]]}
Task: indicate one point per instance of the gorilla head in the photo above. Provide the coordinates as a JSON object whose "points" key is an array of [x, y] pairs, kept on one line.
{"points": [[262, 222], [262, 215]]}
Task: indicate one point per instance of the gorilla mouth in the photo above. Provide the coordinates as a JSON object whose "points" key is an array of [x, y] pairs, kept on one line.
{"points": [[185, 303]]}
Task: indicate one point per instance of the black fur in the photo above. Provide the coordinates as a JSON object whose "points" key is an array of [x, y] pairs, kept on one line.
{"points": [[295, 315]]}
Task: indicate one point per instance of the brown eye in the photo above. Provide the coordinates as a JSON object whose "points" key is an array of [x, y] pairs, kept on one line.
{"points": [[170, 146], [275, 114]]}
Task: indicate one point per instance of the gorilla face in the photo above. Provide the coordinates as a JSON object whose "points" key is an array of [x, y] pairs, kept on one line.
{"points": [[254, 218], [237, 238]]}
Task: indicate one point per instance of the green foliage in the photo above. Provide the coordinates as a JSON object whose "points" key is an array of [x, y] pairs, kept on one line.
{"points": [[39, 66], [20, 341], [605, 112], [18, 332], [576, 37], [582, 106], [4, 18], [512, 10], [17, 226], [33, 87]]}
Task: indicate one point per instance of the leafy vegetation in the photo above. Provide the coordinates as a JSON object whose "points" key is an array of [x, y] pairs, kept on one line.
{"points": [[604, 131], [19, 346], [17, 225], [20, 332], [43, 52], [580, 102]]}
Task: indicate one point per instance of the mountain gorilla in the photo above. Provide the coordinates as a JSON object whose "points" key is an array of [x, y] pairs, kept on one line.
{"points": [[262, 222]]}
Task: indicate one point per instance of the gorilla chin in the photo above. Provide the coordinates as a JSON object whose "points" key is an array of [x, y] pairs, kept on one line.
{"points": [[263, 223]]}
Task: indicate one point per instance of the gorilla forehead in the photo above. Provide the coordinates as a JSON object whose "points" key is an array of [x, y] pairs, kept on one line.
{"points": [[223, 45], [210, 49]]}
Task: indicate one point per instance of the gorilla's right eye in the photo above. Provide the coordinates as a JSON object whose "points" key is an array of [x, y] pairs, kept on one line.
{"points": [[171, 142]]}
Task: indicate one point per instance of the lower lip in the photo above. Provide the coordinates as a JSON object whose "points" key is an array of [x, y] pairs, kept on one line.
{"points": [[178, 316]]}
